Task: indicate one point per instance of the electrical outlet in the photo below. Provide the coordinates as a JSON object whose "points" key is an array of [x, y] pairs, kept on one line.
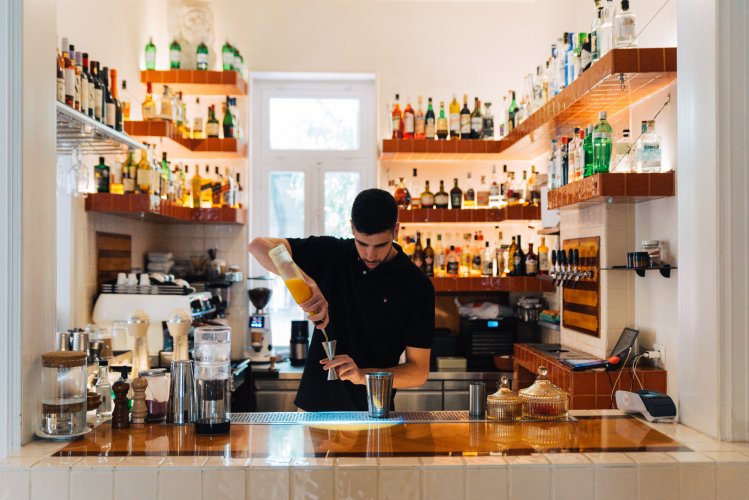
{"points": [[661, 349]]}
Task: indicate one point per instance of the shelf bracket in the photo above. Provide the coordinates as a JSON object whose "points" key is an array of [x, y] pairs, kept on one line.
{"points": [[666, 271]]}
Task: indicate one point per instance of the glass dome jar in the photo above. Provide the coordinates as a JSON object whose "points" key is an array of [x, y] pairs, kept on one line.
{"points": [[504, 405], [543, 400], [63, 392]]}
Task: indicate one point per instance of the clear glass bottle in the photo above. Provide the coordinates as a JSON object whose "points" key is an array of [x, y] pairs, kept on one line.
{"points": [[469, 196], [453, 265], [483, 193], [487, 130], [625, 27], [552, 166], [104, 389], [420, 121], [649, 149], [495, 198], [606, 33], [623, 153], [602, 145]]}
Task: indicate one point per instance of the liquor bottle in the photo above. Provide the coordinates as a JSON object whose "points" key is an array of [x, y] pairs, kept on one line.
{"points": [[525, 193], [104, 389], [487, 128], [430, 123], [60, 77], [569, 54], [228, 121], [602, 144], [201, 54], [125, 101], [99, 102], [454, 118], [119, 125], [150, 54], [543, 257], [551, 166], [495, 198], [483, 193], [429, 259], [595, 39], [511, 193], [456, 195], [84, 81], [531, 262], [503, 118], [211, 126], [453, 265], [420, 121], [76, 59], [396, 119], [401, 195], [238, 132], [465, 119], [427, 198], [488, 261], [588, 152], [90, 88], [519, 258], [143, 178], [511, 258], [239, 196], [148, 108], [165, 178], [579, 158], [180, 109], [408, 121], [563, 158], [535, 194], [166, 111], [441, 198], [227, 56], [623, 150], [440, 257], [476, 258], [586, 52], [477, 120], [101, 176], [109, 110], [418, 255], [128, 174], [606, 34], [197, 121], [206, 189], [216, 186], [442, 129], [625, 27], [469, 197], [415, 200], [512, 113], [196, 184], [649, 149], [175, 55]]}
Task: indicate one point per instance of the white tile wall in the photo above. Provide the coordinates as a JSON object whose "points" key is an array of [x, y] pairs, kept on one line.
{"points": [[16, 484], [224, 484], [487, 481], [180, 484], [573, 483], [267, 479], [49, 483], [404, 472], [356, 478], [92, 483], [312, 478], [443, 478], [130, 483]]}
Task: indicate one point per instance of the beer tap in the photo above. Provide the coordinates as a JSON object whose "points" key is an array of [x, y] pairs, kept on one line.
{"points": [[570, 270], [562, 267], [576, 256], [553, 270]]}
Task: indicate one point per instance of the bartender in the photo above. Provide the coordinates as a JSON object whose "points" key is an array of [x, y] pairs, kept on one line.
{"points": [[370, 297]]}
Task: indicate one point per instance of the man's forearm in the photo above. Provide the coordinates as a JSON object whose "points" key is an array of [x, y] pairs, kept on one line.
{"points": [[406, 375], [260, 247]]}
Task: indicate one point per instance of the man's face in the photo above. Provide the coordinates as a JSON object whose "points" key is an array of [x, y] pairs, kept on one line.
{"points": [[373, 249]]}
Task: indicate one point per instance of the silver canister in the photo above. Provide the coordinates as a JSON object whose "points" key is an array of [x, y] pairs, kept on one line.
{"points": [[80, 341], [477, 400], [62, 341], [181, 408], [379, 393]]}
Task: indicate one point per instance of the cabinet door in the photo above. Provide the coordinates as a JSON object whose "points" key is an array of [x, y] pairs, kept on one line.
{"points": [[456, 400], [418, 401]]}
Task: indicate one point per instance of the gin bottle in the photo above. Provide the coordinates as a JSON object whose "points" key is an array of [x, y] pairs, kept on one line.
{"points": [[602, 145], [625, 28], [649, 149]]}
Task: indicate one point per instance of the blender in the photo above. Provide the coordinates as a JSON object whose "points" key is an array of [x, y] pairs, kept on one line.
{"points": [[258, 345], [213, 379]]}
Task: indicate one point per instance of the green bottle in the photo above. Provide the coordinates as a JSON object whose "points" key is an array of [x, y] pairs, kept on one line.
{"points": [[101, 176], [175, 55], [602, 145], [150, 54], [228, 121], [166, 178], [588, 153], [202, 56], [227, 56]]}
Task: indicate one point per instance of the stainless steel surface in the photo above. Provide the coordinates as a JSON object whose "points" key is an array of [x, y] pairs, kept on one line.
{"points": [[455, 400], [348, 417], [329, 347], [379, 393], [275, 401], [181, 408], [477, 400], [298, 352], [408, 400]]}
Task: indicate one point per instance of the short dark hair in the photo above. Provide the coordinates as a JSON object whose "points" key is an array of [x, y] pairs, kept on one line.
{"points": [[374, 211]]}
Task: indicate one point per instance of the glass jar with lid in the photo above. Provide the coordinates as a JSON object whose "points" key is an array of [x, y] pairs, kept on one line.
{"points": [[653, 248], [504, 405], [544, 400], [63, 393], [157, 393]]}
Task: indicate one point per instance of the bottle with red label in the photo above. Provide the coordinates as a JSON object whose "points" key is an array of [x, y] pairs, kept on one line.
{"points": [[409, 121], [396, 117]]}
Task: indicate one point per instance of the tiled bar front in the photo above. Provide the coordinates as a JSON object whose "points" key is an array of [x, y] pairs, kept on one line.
{"points": [[710, 469]]}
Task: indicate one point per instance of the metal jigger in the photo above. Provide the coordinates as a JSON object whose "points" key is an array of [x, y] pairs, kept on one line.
{"points": [[329, 347], [179, 326]]}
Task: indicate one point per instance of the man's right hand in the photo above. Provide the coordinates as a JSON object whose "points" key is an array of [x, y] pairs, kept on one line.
{"points": [[317, 306]]}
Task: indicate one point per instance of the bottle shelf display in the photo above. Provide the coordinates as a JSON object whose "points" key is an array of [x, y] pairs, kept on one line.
{"points": [[196, 82], [177, 146], [621, 78], [491, 284], [613, 188], [447, 215], [76, 130], [153, 209]]}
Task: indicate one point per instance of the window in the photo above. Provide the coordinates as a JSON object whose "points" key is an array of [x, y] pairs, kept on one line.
{"points": [[314, 150]]}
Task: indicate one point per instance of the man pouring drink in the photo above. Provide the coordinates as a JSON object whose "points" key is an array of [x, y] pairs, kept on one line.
{"points": [[366, 295]]}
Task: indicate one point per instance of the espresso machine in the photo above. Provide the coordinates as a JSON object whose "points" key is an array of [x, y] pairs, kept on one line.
{"points": [[258, 339]]}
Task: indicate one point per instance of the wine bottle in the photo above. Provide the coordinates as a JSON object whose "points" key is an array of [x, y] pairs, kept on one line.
{"points": [[465, 119], [454, 118], [420, 122], [228, 122], [396, 117], [408, 121], [456, 195], [441, 198], [430, 123], [531, 262], [211, 126], [442, 129], [477, 122], [519, 258], [118, 125], [429, 259]]}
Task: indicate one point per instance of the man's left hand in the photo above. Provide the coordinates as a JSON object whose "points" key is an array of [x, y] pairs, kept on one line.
{"points": [[345, 367]]}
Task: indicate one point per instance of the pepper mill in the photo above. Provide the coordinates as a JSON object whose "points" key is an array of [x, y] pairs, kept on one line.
{"points": [[140, 410], [179, 326], [120, 415]]}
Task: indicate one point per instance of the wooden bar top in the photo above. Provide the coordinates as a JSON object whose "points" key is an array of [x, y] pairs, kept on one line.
{"points": [[612, 433]]}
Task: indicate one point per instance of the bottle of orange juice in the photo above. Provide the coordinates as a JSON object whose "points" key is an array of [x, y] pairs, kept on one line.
{"points": [[290, 273]]}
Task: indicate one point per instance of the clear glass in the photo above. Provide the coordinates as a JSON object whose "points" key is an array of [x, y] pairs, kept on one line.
{"points": [[340, 190], [623, 152], [625, 30], [63, 400], [649, 150], [212, 344], [286, 205], [314, 124]]}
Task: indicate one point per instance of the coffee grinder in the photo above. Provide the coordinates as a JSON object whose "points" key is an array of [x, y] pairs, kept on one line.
{"points": [[258, 340]]}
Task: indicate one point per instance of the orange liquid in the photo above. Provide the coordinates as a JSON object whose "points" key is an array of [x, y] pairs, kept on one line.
{"points": [[299, 289]]}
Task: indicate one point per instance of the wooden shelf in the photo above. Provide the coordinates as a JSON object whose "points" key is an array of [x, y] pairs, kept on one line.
{"points": [[491, 284], [175, 145], [153, 209], [194, 82], [465, 215], [620, 79], [615, 188]]}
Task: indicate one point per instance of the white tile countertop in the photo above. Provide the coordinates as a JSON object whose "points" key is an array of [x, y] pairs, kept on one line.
{"points": [[714, 470]]}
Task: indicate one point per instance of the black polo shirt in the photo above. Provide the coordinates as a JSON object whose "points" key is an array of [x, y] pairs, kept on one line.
{"points": [[374, 315]]}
